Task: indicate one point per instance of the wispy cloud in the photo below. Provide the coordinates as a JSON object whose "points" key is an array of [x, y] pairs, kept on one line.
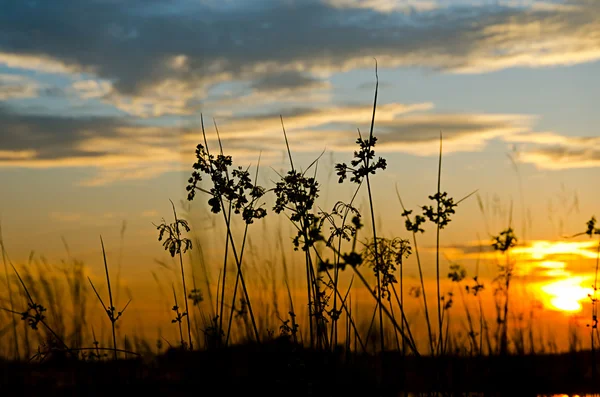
{"points": [[40, 63], [419, 134], [120, 148], [563, 157], [552, 151], [400, 128], [386, 6], [92, 88], [288, 81], [17, 87], [116, 148]]}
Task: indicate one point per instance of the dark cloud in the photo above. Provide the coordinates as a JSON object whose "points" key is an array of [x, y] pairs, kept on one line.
{"points": [[116, 148], [136, 43], [53, 137]]}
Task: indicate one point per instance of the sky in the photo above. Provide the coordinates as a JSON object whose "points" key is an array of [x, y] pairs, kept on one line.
{"points": [[100, 104]]}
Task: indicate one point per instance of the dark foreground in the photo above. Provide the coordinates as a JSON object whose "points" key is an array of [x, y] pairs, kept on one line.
{"points": [[286, 370]]}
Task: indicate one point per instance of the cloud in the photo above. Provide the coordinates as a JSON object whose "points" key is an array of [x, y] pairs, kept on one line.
{"points": [[17, 87], [116, 148], [386, 6], [303, 118], [92, 88], [286, 81], [86, 218], [563, 157], [119, 148], [168, 97], [160, 59], [43, 63], [419, 134], [551, 151], [411, 6], [16, 154], [401, 128], [288, 87]]}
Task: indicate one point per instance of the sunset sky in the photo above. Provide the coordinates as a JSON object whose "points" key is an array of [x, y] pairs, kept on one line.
{"points": [[100, 104]]}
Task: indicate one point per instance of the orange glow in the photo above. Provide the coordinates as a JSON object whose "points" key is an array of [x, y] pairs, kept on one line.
{"points": [[566, 294], [554, 269], [539, 250], [561, 290]]}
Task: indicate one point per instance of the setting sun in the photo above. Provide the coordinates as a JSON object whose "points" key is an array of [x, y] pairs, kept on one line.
{"points": [[566, 295], [552, 261]]}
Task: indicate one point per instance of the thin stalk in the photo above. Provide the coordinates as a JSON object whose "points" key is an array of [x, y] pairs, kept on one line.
{"points": [[372, 211], [110, 297], [235, 254], [30, 298], [185, 295], [244, 289], [10, 296], [344, 306], [421, 279], [595, 311], [437, 250], [235, 288], [336, 269], [375, 311], [382, 343], [395, 331], [405, 326], [469, 319], [309, 293], [237, 278], [178, 318], [287, 286], [223, 284], [226, 247], [348, 313], [401, 270], [386, 311]]}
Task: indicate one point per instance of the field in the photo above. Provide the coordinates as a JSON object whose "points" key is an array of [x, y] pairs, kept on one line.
{"points": [[51, 348]]}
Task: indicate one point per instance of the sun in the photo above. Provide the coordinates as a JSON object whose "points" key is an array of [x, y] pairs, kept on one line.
{"points": [[561, 290], [567, 294]]}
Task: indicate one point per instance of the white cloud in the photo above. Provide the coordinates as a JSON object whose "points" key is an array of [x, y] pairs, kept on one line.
{"points": [[547, 150], [38, 63], [387, 6], [17, 87], [88, 89]]}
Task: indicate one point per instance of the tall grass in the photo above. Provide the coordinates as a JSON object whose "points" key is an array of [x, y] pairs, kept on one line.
{"points": [[342, 262]]}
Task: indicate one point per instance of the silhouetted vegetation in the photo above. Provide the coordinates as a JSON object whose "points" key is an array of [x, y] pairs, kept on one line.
{"points": [[326, 353]]}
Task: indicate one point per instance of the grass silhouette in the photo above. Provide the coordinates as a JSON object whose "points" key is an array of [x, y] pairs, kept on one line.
{"points": [[331, 352]]}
